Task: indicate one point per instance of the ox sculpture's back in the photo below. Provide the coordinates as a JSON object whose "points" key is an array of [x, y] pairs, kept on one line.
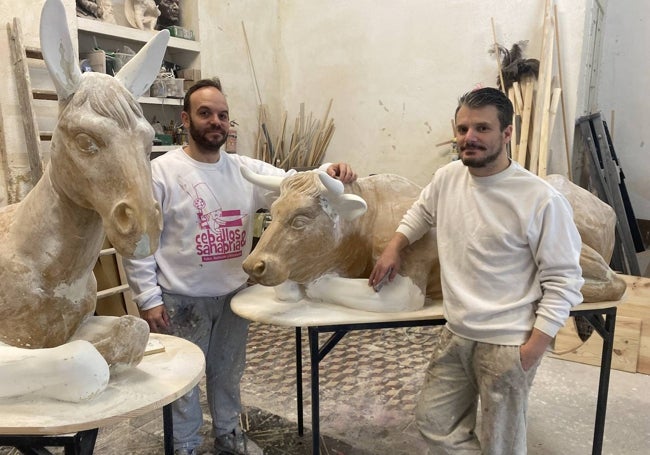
{"points": [[323, 242], [98, 182]]}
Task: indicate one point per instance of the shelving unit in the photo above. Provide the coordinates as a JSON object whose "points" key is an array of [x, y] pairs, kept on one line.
{"points": [[94, 34], [120, 35]]}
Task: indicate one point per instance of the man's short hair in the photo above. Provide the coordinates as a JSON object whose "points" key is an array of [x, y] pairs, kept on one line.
{"points": [[211, 82], [488, 96]]}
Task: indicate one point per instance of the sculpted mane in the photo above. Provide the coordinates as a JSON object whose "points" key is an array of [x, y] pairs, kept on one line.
{"points": [[113, 102]]}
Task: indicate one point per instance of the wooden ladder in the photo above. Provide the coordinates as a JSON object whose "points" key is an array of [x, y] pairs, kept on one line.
{"points": [[19, 61], [113, 292]]}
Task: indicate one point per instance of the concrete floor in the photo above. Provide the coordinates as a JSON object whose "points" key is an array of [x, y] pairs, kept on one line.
{"points": [[369, 385]]}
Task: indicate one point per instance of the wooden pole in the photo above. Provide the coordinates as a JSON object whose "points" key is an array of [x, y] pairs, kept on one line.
{"points": [[543, 97], [514, 142], [496, 55], [559, 70], [250, 61], [546, 100], [529, 87]]}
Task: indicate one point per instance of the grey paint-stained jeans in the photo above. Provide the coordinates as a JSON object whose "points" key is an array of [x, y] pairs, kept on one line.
{"points": [[460, 372], [209, 323]]}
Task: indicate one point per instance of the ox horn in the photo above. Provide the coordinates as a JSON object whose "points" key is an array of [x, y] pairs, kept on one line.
{"points": [[332, 185], [269, 182], [348, 206]]}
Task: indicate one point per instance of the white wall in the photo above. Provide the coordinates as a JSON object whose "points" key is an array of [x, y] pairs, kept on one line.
{"points": [[624, 89], [224, 54], [394, 69]]}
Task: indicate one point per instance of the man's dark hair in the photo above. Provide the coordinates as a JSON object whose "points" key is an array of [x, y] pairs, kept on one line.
{"points": [[489, 96], [212, 82]]}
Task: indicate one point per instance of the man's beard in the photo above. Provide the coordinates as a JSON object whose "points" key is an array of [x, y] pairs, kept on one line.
{"points": [[210, 145], [482, 161]]}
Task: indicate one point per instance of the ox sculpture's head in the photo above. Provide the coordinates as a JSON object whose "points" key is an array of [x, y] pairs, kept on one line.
{"points": [[102, 142], [310, 230]]}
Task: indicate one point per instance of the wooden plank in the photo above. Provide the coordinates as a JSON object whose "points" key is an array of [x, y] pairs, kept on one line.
{"points": [[49, 95], [626, 345], [112, 291], [129, 305], [636, 304], [23, 86]]}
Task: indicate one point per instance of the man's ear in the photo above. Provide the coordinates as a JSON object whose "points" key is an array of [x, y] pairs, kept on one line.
{"points": [[185, 118], [507, 134]]}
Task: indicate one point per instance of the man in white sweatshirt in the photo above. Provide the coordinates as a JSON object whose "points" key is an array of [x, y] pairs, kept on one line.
{"points": [[509, 259], [185, 288]]}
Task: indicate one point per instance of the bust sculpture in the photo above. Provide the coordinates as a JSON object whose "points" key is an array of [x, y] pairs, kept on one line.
{"points": [[170, 13]]}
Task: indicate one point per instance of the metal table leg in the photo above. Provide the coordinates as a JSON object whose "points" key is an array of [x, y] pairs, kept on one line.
{"points": [[607, 333], [168, 429], [301, 425]]}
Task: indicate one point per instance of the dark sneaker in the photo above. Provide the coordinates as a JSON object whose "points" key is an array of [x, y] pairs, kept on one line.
{"points": [[236, 443]]}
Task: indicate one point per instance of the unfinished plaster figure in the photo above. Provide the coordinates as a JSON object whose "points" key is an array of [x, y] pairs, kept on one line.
{"points": [[142, 14], [322, 242], [98, 182], [101, 9], [338, 242]]}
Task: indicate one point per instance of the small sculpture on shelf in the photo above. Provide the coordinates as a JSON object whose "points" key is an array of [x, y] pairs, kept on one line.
{"points": [[141, 14], [170, 13], [100, 9]]}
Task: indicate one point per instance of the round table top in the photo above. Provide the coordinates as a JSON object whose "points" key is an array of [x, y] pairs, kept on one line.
{"points": [[159, 379]]}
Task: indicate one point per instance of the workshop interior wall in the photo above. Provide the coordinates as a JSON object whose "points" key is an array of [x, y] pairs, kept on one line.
{"points": [[394, 71], [623, 91]]}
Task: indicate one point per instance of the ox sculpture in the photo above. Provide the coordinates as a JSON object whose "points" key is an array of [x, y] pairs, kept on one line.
{"points": [[325, 237], [97, 183]]}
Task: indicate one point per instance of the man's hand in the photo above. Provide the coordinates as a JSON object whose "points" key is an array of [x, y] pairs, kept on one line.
{"points": [[343, 172], [157, 318], [532, 350], [389, 262]]}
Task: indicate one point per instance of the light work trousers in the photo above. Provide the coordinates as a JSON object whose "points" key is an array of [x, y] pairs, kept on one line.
{"points": [[460, 372], [209, 323]]}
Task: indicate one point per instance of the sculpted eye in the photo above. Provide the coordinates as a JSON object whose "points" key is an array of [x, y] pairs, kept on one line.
{"points": [[86, 143], [299, 222]]}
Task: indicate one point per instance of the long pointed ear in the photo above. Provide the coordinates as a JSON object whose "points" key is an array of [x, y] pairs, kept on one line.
{"points": [[269, 182], [56, 45], [140, 72]]}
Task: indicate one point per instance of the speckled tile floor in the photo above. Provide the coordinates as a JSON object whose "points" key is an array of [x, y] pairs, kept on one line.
{"points": [[369, 385]]}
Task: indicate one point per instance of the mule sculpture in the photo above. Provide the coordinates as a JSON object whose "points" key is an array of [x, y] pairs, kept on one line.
{"points": [[323, 242], [98, 182]]}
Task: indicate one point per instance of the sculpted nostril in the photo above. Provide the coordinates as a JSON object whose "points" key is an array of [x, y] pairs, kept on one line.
{"points": [[123, 218], [259, 268]]}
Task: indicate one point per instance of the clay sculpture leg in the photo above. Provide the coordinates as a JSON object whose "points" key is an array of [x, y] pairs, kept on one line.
{"points": [[399, 295], [120, 340], [601, 282], [73, 372]]}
